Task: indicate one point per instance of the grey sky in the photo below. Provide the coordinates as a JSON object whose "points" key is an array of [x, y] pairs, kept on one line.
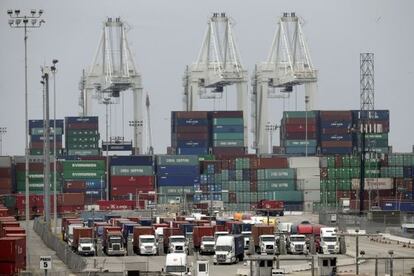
{"points": [[167, 35]]}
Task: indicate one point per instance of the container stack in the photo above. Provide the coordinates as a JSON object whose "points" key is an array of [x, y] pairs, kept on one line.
{"points": [[12, 255], [376, 125], [82, 136], [335, 132], [36, 177], [210, 186], [6, 175], [227, 132], [86, 176], [37, 140], [298, 132], [132, 176], [307, 179], [190, 132], [176, 177], [400, 167]]}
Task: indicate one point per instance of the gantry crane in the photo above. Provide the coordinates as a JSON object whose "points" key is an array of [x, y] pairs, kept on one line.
{"points": [[113, 71], [218, 65], [288, 64]]}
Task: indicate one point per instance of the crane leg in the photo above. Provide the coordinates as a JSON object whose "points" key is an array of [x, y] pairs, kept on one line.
{"points": [[261, 118], [242, 105], [138, 120], [192, 97], [87, 102], [311, 89]]}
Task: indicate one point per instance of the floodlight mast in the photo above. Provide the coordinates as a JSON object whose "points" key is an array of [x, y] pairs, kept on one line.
{"points": [[288, 64], [113, 71], [218, 65]]}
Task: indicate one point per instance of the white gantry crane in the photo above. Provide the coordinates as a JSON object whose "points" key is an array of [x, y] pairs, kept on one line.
{"points": [[113, 71], [218, 65], [288, 64]]}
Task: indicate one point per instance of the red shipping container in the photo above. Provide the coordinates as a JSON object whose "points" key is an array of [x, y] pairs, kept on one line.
{"points": [[221, 152], [125, 191], [335, 115], [298, 121], [37, 167], [73, 126], [191, 136], [343, 194], [40, 145], [116, 204], [13, 249], [76, 185], [299, 128], [132, 180], [5, 172], [191, 129], [191, 115], [253, 186], [5, 184], [270, 163], [71, 199], [334, 131], [298, 135], [11, 268], [336, 144]]}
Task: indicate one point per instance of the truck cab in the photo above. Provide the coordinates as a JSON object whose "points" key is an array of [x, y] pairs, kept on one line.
{"points": [[147, 245], [114, 244], [229, 249], [86, 246], [220, 233], [69, 234], [176, 264], [267, 244], [207, 244], [246, 235], [329, 242], [296, 244], [178, 244]]}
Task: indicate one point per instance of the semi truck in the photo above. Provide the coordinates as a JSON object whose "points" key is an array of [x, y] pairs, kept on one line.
{"points": [[83, 241], [178, 244], [259, 230], [296, 244], [199, 232], [329, 241], [112, 241], [176, 264], [229, 249], [69, 232], [144, 242], [267, 244]]}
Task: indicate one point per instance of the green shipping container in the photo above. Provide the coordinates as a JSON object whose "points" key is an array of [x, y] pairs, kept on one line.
{"points": [[174, 160], [83, 174], [228, 136], [228, 122], [276, 185], [83, 152], [83, 146], [276, 174], [228, 143], [83, 165], [34, 177], [300, 143], [299, 114], [287, 196], [81, 132], [85, 139], [175, 190], [206, 157], [131, 170]]}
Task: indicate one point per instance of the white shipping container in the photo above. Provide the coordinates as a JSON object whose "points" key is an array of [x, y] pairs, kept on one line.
{"points": [[5, 162], [309, 184], [374, 183], [308, 173], [32, 159], [312, 195], [304, 162]]}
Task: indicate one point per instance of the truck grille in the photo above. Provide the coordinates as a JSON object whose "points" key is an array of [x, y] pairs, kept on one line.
{"points": [[269, 247], [331, 247], [148, 247], [116, 247], [86, 248], [209, 247], [299, 247], [179, 248], [221, 258]]}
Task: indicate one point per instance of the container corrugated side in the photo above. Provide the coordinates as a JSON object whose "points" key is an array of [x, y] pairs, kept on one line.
{"points": [[132, 170], [79, 165], [185, 160], [303, 162]]}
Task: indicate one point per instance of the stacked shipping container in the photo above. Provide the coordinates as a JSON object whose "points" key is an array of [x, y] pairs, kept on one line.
{"points": [[298, 132], [227, 132], [132, 175], [335, 132], [85, 176], [36, 136], [176, 176], [82, 136], [190, 132], [6, 175]]}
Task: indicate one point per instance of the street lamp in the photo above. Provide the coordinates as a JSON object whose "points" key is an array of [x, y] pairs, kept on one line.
{"points": [[107, 101], [53, 68], [135, 124], [14, 22], [270, 128], [3, 131]]}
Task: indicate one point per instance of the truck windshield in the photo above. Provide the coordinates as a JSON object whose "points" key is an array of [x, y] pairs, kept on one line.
{"points": [[175, 268], [223, 248], [148, 240], [208, 239], [329, 239], [177, 239], [85, 240], [297, 239], [115, 239], [268, 239]]}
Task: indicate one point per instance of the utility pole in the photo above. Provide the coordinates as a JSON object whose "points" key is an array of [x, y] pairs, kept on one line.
{"points": [[53, 68], [15, 20], [3, 131]]}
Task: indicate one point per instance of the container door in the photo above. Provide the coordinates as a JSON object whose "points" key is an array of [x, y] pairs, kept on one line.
{"points": [[202, 268]]}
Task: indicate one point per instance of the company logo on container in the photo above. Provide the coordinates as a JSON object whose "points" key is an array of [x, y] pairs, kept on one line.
{"points": [[337, 124], [191, 122], [83, 165], [337, 137], [83, 174]]}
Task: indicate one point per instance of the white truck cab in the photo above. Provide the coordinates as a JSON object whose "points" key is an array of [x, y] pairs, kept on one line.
{"points": [[178, 244], [207, 244], [147, 245], [176, 264], [267, 244], [246, 235], [86, 246], [329, 243], [284, 227], [296, 244], [220, 233]]}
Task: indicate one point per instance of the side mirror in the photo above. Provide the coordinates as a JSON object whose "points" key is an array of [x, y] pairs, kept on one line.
{"points": [[162, 269]]}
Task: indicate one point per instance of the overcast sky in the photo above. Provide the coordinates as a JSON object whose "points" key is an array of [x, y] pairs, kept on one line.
{"points": [[165, 36]]}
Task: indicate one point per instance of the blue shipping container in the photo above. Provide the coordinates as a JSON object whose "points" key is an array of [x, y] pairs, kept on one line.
{"points": [[336, 137], [39, 124], [300, 150], [336, 150], [230, 128], [408, 172], [95, 184], [178, 170], [138, 160], [403, 206], [191, 122], [336, 124], [127, 229], [186, 228], [92, 119], [145, 222], [192, 143], [192, 151], [246, 227], [181, 180], [95, 194]]}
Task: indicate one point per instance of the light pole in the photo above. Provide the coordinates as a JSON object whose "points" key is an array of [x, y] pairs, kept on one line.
{"points": [[53, 68], [106, 102], [3, 131], [270, 128], [15, 20], [135, 125]]}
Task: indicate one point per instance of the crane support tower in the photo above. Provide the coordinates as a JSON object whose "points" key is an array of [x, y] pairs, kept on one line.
{"points": [[288, 64], [218, 65], [113, 71]]}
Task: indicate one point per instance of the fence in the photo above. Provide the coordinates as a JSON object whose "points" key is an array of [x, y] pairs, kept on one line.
{"points": [[73, 261]]}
